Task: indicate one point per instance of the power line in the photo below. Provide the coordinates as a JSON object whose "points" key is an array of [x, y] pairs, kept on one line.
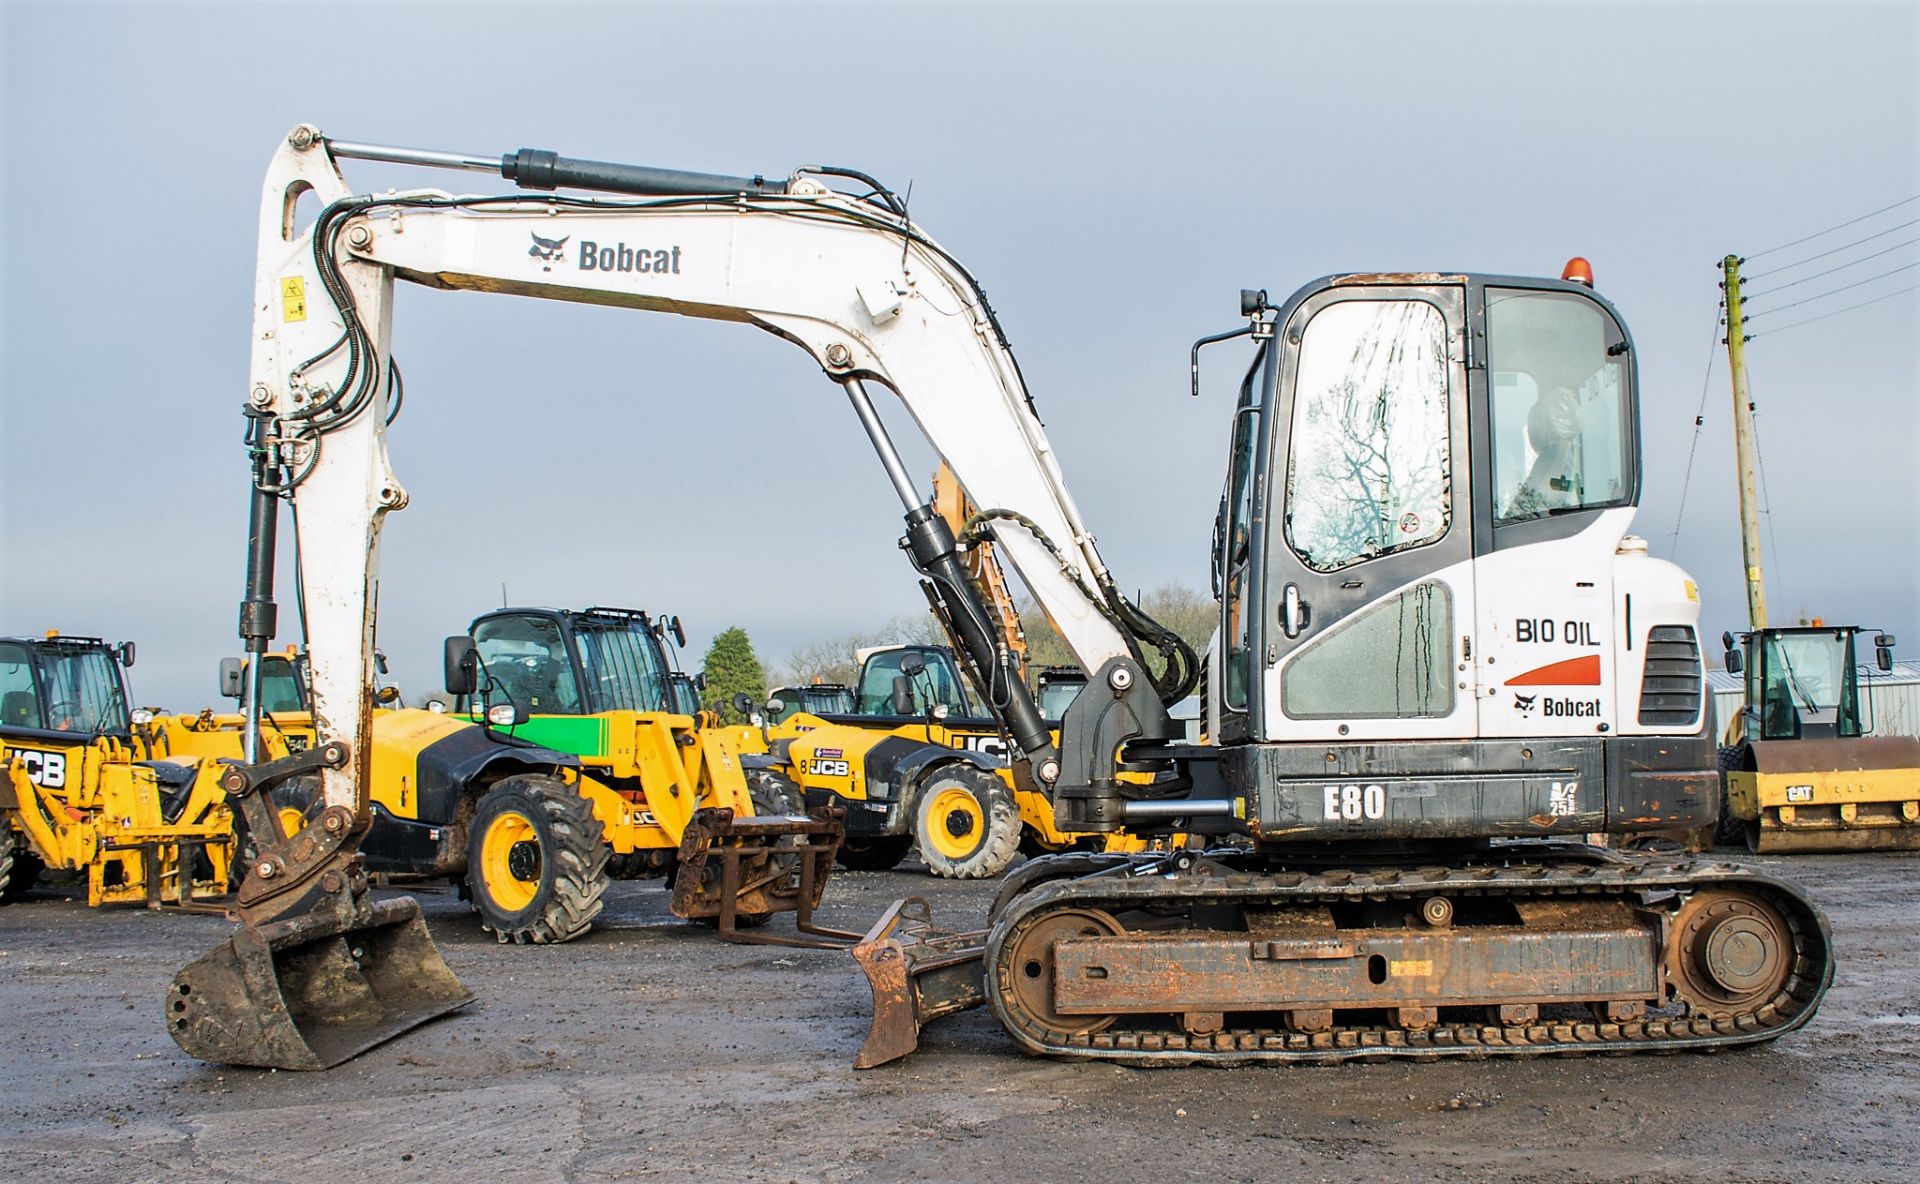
{"points": [[1833, 291], [1829, 271], [1699, 421], [1842, 226], [1836, 250], [1836, 312]]}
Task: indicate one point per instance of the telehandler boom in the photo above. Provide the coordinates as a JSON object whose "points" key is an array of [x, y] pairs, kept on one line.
{"points": [[1426, 689]]}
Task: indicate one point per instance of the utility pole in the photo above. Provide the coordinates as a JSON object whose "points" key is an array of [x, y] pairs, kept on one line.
{"points": [[1743, 450]]}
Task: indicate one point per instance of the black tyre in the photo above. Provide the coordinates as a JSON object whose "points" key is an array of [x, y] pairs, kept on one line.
{"points": [[7, 863], [536, 861], [874, 855], [774, 793], [967, 823], [1731, 832]]}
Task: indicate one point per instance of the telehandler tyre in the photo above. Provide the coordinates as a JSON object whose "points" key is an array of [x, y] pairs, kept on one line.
{"points": [[874, 855], [967, 823], [536, 861]]}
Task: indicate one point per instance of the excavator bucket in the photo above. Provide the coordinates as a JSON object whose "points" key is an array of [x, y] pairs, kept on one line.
{"points": [[736, 873], [313, 990], [918, 973]]}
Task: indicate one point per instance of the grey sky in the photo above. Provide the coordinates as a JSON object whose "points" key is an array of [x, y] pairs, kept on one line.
{"points": [[1112, 174]]}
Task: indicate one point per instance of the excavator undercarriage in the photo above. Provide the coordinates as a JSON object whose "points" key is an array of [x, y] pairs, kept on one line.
{"points": [[1223, 958]]}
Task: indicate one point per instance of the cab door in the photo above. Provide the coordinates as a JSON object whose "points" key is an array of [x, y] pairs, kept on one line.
{"points": [[1367, 589]]}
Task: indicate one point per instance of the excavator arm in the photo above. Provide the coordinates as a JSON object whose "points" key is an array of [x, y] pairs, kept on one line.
{"points": [[848, 279]]}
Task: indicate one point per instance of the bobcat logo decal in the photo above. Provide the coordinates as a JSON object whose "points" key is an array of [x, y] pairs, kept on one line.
{"points": [[1524, 703], [547, 250]]}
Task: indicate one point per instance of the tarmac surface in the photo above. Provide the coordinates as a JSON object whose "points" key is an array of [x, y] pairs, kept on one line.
{"points": [[650, 1050]]}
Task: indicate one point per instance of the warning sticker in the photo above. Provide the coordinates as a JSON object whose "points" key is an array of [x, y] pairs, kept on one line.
{"points": [[293, 299]]}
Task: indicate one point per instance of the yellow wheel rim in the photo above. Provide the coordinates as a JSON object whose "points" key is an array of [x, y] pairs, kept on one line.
{"points": [[956, 826], [292, 820], [499, 868]]}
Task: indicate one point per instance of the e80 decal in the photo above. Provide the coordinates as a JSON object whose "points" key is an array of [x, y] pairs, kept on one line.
{"points": [[1354, 802]]}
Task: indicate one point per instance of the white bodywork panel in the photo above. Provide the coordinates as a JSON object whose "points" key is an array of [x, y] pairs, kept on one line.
{"points": [[1553, 652], [825, 271]]}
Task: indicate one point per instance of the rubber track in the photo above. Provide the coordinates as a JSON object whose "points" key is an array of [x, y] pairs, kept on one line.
{"points": [[1618, 877]]}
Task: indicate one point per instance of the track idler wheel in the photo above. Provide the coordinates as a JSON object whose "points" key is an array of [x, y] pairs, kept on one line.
{"points": [[1728, 952], [1026, 967]]}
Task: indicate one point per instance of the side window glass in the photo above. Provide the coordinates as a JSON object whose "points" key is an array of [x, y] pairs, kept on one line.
{"points": [[1560, 404], [1390, 660], [19, 706], [1368, 467]]}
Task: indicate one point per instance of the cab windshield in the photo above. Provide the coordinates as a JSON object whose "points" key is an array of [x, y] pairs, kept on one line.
{"points": [[79, 691], [526, 661], [1561, 407], [885, 689], [1807, 687]]}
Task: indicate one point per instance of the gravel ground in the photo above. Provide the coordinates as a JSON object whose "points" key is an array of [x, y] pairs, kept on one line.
{"points": [[650, 1050]]}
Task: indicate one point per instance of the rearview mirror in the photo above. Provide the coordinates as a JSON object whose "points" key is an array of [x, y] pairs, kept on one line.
{"points": [[913, 665], [679, 634], [387, 696], [230, 678], [462, 665], [125, 653], [1735, 663], [743, 703], [775, 706], [380, 661]]}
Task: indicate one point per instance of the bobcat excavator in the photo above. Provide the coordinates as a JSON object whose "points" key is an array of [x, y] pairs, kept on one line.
{"points": [[1427, 687]]}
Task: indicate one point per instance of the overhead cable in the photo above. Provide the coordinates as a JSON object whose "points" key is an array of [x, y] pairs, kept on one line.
{"points": [[1699, 421], [1829, 271], [1832, 291], [1835, 250], [1829, 230], [1836, 312]]}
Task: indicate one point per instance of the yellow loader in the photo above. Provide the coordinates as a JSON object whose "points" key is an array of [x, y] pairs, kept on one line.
{"points": [[84, 786]]}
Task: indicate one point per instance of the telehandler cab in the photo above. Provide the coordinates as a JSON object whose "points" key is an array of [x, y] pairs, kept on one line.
{"points": [[1423, 469]]}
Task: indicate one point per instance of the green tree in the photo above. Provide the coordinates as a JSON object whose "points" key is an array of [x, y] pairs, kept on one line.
{"points": [[732, 669]]}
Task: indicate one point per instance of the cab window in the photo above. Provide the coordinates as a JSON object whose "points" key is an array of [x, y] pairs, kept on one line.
{"points": [[1369, 464], [280, 687], [19, 705], [1560, 404]]}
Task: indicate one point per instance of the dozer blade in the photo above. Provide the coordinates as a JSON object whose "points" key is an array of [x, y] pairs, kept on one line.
{"points": [[736, 872], [311, 991], [918, 973]]}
